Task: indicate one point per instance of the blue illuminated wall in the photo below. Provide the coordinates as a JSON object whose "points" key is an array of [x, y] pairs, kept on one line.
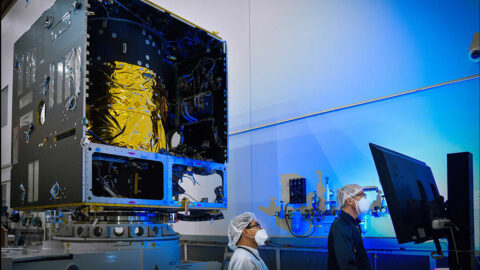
{"points": [[425, 125], [312, 56], [308, 56], [291, 58]]}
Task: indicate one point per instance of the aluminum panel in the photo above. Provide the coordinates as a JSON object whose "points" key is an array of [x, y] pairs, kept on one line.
{"points": [[34, 53]]}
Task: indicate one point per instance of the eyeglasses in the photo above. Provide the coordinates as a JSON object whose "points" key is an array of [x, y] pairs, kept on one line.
{"points": [[254, 225], [361, 195]]}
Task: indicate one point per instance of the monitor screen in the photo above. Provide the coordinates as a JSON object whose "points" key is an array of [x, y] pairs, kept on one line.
{"points": [[411, 193]]}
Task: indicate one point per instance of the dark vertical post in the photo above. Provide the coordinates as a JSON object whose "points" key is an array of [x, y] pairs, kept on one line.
{"points": [[460, 209]]}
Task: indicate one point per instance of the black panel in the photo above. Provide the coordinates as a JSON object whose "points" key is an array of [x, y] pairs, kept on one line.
{"points": [[269, 257], [460, 208], [412, 195], [117, 176], [298, 189]]}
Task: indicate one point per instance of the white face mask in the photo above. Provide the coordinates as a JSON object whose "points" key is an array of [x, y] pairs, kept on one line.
{"points": [[362, 206], [260, 237]]}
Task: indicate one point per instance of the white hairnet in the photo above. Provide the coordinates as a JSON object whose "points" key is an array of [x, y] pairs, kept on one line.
{"points": [[236, 227], [347, 191]]}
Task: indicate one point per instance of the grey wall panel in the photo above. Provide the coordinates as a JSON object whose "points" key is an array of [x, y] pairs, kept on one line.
{"points": [[41, 264], [303, 260], [161, 257], [205, 253], [131, 259], [396, 262]]}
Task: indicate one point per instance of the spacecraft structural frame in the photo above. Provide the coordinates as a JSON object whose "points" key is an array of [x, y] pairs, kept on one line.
{"points": [[52, 147]]}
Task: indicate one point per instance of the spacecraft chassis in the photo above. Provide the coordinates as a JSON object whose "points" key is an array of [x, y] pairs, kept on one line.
{"points": [[52, 162]]}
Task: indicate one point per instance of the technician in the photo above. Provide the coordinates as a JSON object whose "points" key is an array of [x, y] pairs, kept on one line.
{"points": [[245, 235], [345, 244]]}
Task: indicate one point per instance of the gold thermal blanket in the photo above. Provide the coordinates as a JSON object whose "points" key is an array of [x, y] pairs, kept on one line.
{"points": [[133, 110]]}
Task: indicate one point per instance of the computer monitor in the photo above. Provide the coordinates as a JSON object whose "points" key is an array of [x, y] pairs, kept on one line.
{"points": [[411, 193]]}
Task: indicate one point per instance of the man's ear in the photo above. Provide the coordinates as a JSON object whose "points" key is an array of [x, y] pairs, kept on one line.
{"points": [[349, 201]]}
